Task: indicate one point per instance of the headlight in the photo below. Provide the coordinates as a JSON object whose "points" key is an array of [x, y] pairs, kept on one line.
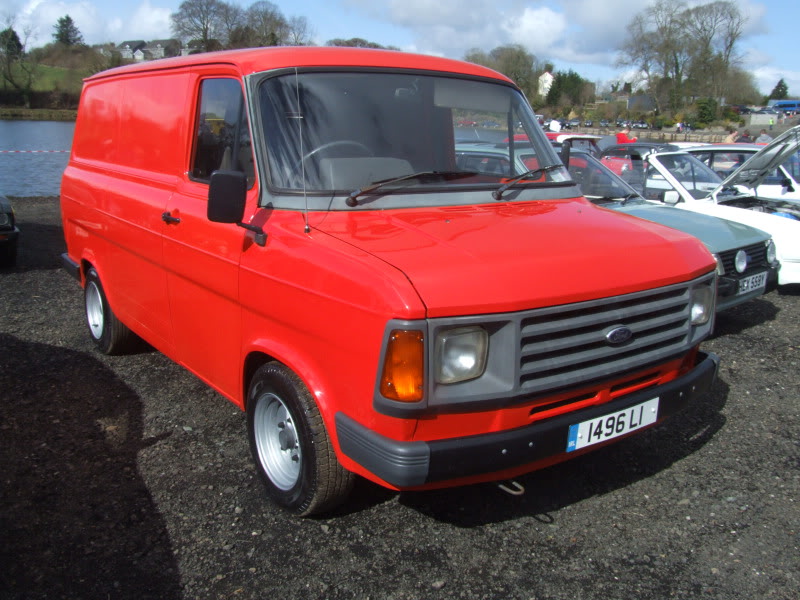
{"points": [[741, 261], [720, 265], [5, 220], [460, 354], [772, 252], [702, 307]]}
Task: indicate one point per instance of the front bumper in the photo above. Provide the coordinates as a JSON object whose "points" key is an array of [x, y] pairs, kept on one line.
{"points": [[728, 287], [412, 464]]}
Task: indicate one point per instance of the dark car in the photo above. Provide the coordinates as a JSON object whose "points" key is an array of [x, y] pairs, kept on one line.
{"points": [[9, 234]]}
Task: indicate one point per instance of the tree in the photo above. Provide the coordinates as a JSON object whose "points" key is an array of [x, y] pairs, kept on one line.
{"points": [[513, 61], [569, 89], [18, 69], [780, 91], [10, 45], [657, 45], [356, 43], [66, 32], [198, 23], [299, 32]]}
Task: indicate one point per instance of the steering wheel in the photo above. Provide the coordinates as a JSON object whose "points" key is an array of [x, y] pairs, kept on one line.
{"points": [[312, 172]]}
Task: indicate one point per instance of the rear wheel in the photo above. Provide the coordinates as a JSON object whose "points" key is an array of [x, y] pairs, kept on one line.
{"points": [[109, 334], [291, 448]]}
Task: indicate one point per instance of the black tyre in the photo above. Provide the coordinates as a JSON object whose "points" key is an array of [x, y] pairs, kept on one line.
{"points": [[291, 448], [109, 334]]}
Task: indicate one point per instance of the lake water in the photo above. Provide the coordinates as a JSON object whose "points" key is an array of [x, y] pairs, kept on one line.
{"points": [[33, 156]]}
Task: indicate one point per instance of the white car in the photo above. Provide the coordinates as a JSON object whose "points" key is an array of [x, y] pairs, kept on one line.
{"points": [[781, 182], [680, 179]]}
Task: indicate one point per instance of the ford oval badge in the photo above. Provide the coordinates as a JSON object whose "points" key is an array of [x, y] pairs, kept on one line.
{"points": [[619, 335]]}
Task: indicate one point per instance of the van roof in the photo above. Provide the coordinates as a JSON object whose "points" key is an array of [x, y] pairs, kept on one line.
{"points": [[255, 60]]}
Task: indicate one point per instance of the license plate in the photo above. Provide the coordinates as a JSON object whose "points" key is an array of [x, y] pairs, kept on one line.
{"points": [[612, 425], [754, 282]]}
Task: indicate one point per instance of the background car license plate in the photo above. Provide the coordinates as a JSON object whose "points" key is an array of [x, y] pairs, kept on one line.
{"points": [[754, 282], [612, 425]]}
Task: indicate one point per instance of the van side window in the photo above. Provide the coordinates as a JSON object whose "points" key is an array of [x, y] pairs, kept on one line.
{"points": [[222, 138]]}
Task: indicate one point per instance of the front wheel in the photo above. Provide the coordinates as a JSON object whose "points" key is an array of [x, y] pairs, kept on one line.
{"points": [[291, 448], [109, 334]]}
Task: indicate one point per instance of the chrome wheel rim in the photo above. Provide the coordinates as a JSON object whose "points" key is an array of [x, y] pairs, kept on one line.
{"points": [[277, 441], [94, 310]]}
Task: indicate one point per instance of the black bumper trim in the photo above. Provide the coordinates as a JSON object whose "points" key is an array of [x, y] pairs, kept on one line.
{"points": [[408, 464], [70, 266]]}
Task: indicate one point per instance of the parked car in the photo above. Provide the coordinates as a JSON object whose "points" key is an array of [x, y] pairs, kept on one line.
{"points": [[9, 234], [782, 182], [573, 123], [620, 157], [746, 258], [578, 141], [681, 179], [588, 123], [604, 123]]}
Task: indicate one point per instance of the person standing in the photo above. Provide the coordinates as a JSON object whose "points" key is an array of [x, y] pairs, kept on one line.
{"points": [[731, 137], [745, 138], [764, 137], [623, 137]]}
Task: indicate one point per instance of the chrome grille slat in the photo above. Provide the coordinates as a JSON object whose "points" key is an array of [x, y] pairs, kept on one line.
{"points": [[555, 322], [598, 352], [566, 346], [572, 339]]}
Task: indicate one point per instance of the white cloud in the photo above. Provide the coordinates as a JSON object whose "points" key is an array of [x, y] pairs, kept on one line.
{"points": [[40, 17]]}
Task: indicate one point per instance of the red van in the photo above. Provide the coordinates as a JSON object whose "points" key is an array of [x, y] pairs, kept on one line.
{"points": [[290, 225]]}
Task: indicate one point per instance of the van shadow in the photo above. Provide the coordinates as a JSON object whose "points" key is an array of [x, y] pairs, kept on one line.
{"points": [[78, 520], [41, 246], [605, 470]]}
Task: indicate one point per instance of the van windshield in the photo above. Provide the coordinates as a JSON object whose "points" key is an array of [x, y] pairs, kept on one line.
{"points": [[339, 132]]}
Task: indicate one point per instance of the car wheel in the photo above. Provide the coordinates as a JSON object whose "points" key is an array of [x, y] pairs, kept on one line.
{"points": [[109, 334], [291, 448]]}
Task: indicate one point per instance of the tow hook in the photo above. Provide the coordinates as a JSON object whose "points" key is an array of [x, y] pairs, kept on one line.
{"points": [[511, 487]]}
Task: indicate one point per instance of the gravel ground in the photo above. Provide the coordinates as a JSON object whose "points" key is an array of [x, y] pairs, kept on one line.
{"points": [[126, 477]]}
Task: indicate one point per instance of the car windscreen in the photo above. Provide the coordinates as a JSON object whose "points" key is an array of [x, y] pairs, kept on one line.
{"points": [[695, 176], [339, 131]]}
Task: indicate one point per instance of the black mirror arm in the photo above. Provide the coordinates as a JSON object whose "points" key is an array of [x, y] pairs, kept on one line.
{"points": [[260, 237]]}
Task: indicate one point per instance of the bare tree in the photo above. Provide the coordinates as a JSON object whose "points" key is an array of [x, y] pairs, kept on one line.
{"points": [[299, 32], [17, 67], [714, 30], [197, 22], [657, 44]]}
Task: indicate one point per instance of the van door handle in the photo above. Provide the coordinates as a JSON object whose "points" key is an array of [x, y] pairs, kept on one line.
{"points": [[169, 219]]}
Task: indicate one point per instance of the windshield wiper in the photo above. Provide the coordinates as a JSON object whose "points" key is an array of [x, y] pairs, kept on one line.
{"points": [[352, 199], [498, 193]]}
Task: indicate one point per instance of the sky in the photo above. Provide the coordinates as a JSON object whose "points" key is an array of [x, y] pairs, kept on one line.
{"points": [[581, 35]]}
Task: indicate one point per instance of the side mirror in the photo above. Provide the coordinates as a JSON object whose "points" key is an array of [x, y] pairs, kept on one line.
{"points": [[670, 197], [787, 184], [227, 193]]}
